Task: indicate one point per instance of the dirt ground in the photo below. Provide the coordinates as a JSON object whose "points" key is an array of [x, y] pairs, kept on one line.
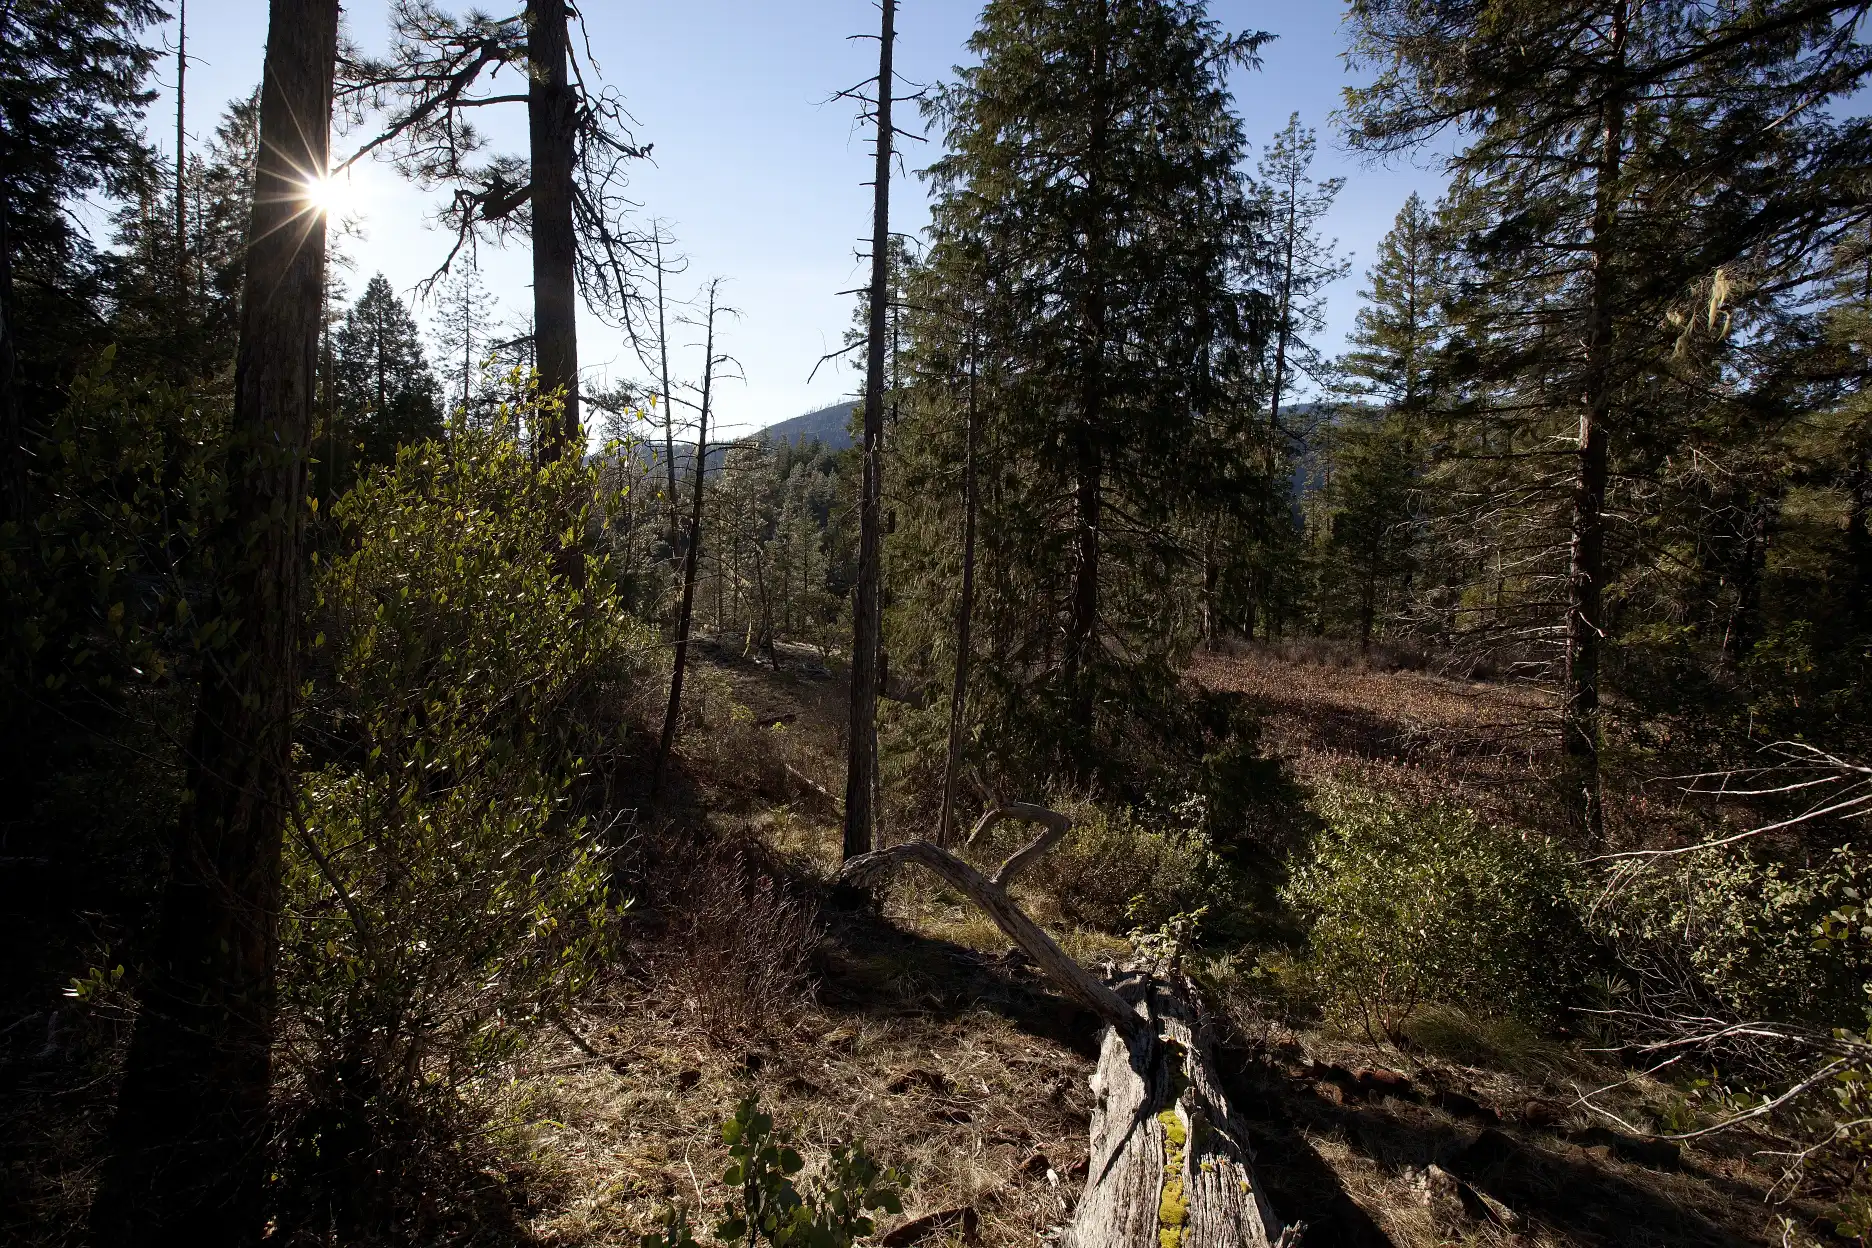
{"points": [[927, 1038]]}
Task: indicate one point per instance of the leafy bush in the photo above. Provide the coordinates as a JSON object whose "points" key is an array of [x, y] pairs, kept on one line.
{"points": [[1752, 938], [833, 1212], [442, 893], [1405, 907], [1115, 871]]}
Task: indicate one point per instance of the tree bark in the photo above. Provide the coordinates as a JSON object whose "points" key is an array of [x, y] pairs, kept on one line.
{"points": [[181, 153], [669, 409], [189, 1140], [13, 457], [861, 769], [551, 123], [1145, 1186], [1586, 562]]}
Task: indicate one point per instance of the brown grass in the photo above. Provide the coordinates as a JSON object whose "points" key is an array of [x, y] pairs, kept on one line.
{"points": [[936, 1045]]}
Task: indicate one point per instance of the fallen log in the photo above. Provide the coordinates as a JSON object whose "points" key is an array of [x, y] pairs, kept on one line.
{"points": [[1170, 1166]]}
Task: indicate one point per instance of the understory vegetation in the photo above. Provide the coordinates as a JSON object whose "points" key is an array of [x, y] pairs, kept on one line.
{"points": [[440, 790]]}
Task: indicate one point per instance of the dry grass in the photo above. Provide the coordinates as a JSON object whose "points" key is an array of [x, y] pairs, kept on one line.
{"points": [[935, 1044], [974, 1106]]}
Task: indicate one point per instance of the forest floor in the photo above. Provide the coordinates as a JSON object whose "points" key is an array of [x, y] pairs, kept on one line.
{"points": [[930, 1040]]}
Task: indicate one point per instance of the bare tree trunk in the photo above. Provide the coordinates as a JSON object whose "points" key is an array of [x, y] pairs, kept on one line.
{"points": [[12, 425], [1154, 1071], [867, 625], [691, 555], [958, 693], [1211, 579], [189, 1140], [1082, 628], [550, 129], [766, 610], [1586, 564], [181, 151], [669, 408]]}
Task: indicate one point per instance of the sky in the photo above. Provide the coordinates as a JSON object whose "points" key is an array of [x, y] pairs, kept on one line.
{"points": [[760, 175]]}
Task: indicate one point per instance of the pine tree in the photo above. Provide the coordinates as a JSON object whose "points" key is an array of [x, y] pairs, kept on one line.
{"points": [[75, 82], [384, 393], [1091, 214], [1300, 263], [1376, 442], [189, 1140], [1624, 152]]}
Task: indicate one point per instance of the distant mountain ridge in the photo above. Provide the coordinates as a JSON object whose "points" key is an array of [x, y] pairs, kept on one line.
{"points": [[830, 426]]}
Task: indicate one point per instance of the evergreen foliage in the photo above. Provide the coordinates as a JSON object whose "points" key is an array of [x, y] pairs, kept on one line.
{"points": [[1092, 238], [384, 393]]}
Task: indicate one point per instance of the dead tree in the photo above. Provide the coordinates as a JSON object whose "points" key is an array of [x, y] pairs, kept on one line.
{"points": [[188, 1144], [965, 608], [181, 153], [673, 507], [1170, 1163], [692, 553], [867, 623]]}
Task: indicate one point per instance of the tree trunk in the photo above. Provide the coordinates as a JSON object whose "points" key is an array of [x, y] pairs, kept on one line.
{"points": [[181, 154], [188, 1145], [551, 123], [1082, 627], [1169, 1163], [958, 693], [861, 777], [669, 408], [1586, 564], [691, 555], [13, 456], [1859, 532]]}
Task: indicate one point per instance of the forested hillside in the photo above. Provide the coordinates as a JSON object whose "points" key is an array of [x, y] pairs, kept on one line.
{"points": [[1146, 774]]}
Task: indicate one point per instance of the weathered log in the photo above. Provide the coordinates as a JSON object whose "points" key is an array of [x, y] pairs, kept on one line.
{"points": [[1170, 1166]]}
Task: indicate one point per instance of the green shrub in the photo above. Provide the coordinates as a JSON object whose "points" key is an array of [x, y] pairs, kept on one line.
{"points": [[1115, 871], [1755, 938], [1406, 907], [442, 892]]}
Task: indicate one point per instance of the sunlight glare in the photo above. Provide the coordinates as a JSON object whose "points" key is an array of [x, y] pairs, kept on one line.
{"points": [[334, 197]]}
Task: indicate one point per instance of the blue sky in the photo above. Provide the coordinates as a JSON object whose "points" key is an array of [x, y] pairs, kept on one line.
{"points": [[757, 175]]}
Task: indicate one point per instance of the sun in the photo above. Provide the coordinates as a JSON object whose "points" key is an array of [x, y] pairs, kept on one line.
{"points": [[336, 197]]}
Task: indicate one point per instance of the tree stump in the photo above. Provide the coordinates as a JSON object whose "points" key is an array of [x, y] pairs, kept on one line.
{"points": [[1170, 1165]]}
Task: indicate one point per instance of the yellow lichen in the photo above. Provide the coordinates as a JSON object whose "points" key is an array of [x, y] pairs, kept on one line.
{"points": [[1172, 1208], [1172, 1205], [1172, 1214]]}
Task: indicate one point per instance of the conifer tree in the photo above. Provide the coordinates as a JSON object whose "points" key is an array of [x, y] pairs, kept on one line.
{"points": [[384, 392], [189, 1140], [1377, 441], [463, 333], [75, 84], [1091, 209], [1623, 152], [1301, 263]]}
